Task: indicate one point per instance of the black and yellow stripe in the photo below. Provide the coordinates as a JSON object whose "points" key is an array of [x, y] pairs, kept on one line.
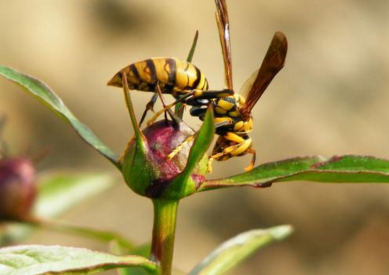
{"points": [[173, 76]]}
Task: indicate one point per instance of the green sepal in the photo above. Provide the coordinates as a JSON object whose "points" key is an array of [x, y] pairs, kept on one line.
{"points": [[193, 47], [179, 108], [137, 168], [185, 184]]}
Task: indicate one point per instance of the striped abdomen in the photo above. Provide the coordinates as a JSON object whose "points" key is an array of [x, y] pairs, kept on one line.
{"points": [[173, 76]]}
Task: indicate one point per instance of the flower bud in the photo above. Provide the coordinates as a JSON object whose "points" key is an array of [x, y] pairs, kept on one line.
{"points": [[17, 188], [149, 171]]}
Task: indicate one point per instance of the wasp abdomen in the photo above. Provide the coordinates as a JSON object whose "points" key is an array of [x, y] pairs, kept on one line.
{"points": [[171, 74]]}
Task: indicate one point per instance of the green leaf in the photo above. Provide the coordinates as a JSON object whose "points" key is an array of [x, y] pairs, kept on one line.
{"points": [[36, 259], [45, 95], [99, 235], [59, 192], [238, 249], [143, 251], [338, 169]]}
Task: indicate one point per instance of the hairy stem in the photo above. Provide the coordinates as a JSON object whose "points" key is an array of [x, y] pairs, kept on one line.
{"points": [[162, 247]]}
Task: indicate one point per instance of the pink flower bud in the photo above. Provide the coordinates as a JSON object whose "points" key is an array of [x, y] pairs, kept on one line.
{"points": [[149, 171]]}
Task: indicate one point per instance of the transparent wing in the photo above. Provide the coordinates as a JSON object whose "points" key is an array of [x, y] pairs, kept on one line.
{"points": [[224, 35], [248, 84], [272, 63]]}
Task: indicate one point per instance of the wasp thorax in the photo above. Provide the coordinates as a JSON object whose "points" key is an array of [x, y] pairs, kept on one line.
{"points": [[17, 188], [151, 166]]}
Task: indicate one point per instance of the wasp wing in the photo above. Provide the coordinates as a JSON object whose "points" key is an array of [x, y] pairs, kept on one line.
{"points": [[248, 84], [223, 25], [272, 63]]}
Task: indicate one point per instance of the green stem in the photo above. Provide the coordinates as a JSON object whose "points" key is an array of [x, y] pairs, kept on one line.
{"points": [[162, 247]]}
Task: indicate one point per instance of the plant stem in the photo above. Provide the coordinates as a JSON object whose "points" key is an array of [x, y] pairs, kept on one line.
{"points": [[162, 247]]}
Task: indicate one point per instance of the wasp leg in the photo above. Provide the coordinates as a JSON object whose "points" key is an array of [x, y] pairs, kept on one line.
{"points": [[180, 109], [252, 162], [182, 145], [241, 145], [149, 106], [191, 138], [193, 98], [209, 94], [172, 115], [219, 124], [167, 108]]}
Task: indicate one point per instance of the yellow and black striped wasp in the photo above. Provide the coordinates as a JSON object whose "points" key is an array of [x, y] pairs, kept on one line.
{"points": [[165, 75], [171, 75], [188, 84]]}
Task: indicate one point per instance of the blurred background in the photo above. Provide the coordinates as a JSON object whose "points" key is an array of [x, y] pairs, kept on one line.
{"points": [[331, 98]]}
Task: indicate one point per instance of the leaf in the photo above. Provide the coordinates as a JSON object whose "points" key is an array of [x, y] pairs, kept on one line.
{"points": [[59, 192], [238, 249], [143, 250], [45, 95], [99, 235], [37, 259], [338, 169]]}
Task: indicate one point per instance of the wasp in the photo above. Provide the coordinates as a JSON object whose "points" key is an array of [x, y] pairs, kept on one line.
{"points": [[173, 76], [168, 76], [233, 119]]}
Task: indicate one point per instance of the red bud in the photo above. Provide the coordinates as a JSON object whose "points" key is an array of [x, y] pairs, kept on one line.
{"points": [[17, 188], [150, 171]]}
